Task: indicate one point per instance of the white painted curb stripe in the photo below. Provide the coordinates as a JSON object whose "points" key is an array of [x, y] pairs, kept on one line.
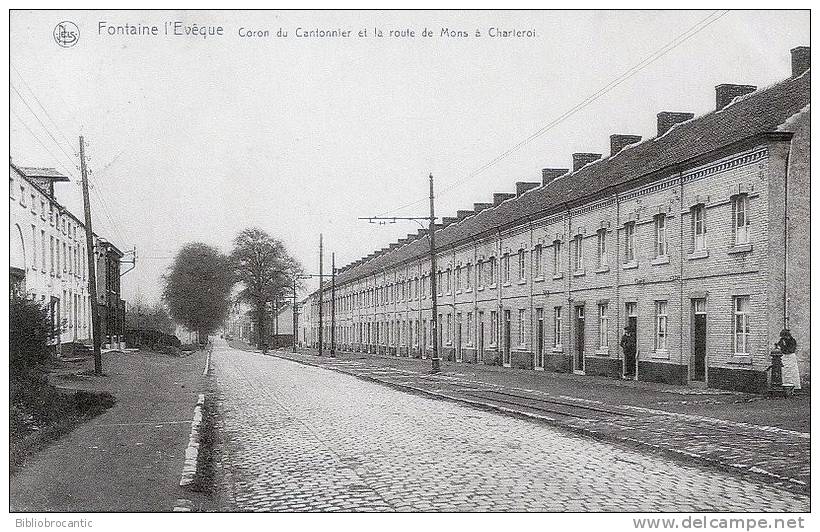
{"points": [[192, 451]]}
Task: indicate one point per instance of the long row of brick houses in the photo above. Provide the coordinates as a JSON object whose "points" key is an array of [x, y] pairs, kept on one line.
{"points": [[698, 238]]}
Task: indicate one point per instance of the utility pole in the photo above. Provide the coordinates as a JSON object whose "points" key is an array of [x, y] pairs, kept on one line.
{"points": [[321, 303], [295, 318], [436, 361], [333, 304], [381, 220], [92, 266]]}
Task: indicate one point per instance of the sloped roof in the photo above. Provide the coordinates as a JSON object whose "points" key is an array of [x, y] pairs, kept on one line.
{"points": [[760, 112], [42, 173]]}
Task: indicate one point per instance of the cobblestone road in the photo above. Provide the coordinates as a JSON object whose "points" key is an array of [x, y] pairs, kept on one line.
{"points": [[301, 438]]}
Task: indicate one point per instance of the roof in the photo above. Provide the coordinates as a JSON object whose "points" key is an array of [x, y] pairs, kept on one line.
{"points": [[752, 115], [42, 173]]}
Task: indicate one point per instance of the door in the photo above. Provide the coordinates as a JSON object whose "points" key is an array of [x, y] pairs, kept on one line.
{"points": [[631, 358], [459, 355], [699, 340], [579, 338], [481, 337], [507, 333], [539, 339]]}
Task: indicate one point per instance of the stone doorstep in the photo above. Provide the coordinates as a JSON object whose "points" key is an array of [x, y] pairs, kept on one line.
{"points": [[678, 454]]}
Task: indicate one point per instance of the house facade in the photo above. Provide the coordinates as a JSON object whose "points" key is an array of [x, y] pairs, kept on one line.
{"points": [[49, 261], [696, 238]]}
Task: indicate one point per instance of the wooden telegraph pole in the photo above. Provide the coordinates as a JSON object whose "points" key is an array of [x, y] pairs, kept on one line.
{"points": [[321, 293], [92, 266], [333, 304]]}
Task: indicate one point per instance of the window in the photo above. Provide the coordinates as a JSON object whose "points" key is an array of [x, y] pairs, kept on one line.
{"points": [[603, 326], [699, 227], [469, 276], [521, 318], [536, 259], [51, 213], [33, 247], [740, 325], [521, 268], [11, 187], [740, 218], [491, 272], [51, 248], [439, 281], [23, 195], [43, 209], [602, 258], [557, 325], [505, 267], [556, 258], [469, 327], [458, 278], [449, 283], [479, 272], [660, 235], [43, 249], [33, 203], [449, 328], [57, 252], [493, 327], [661, 325], [629, 242], [578, 257]]}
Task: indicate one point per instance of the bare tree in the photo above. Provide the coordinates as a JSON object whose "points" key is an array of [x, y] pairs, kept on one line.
{"points": [[266, 271]]}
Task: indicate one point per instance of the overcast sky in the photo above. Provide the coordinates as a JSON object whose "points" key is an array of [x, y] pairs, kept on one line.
{"points": [[196, 138]]}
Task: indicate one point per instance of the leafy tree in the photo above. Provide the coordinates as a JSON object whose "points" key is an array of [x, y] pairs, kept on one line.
{"points": [[30, 332], [198, 288], [266, 271]]}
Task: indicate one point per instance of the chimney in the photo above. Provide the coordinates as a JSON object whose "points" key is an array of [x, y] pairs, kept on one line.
{"points": [[801, 60], [619, 142], [549, 174], [498, 197], [463, 214], [667, 119], [447, 220], [579, 160], [523, 186], [726, 92], [478, 207]]}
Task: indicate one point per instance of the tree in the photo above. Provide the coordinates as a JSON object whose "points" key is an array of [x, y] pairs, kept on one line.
{"points": [[198, 288], [142, 315], [30, 333], [266, 270]]}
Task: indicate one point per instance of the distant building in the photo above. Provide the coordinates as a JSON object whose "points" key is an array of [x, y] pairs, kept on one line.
{"points": [[48, 260], [697, 238]]}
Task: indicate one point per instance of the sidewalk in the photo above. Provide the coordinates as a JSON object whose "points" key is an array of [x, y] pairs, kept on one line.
{"points": [[744, 433], [129, 458]]}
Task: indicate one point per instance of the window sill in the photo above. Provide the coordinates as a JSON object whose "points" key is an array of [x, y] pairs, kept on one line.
{"points": [[558, 349], [557, 276], [741, 359], [701, 254], [602, 352], [538, 280], [522, 281], [663, 259], [492, 286], [480, 288], [579, 273], [507, 283], [740, 248], [662, 354], [602, 269], [631, 265], [468, 290]]}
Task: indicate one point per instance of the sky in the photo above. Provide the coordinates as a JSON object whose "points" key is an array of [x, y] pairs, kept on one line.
{"points": [[193, 138]]}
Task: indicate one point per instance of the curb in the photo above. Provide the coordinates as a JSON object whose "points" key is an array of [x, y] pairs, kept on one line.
{"points": [[192, 451], [793, 485], [207, 362]]}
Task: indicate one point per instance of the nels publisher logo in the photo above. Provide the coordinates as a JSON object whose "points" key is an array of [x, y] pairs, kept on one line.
{"points": [[66, 34]]}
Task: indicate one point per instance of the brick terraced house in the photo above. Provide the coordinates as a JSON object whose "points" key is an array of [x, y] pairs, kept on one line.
{"points": [[698, 237]]}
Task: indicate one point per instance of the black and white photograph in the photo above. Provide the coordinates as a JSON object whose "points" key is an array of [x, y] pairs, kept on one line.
{"points": [[420, 261]]}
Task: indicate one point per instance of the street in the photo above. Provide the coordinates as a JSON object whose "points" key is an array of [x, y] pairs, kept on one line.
{"points": [[302, 438]]}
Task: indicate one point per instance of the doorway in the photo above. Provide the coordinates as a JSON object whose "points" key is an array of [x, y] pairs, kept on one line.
{"points": [[699, 340], [506, 360], [539, 338], [481, 337], [580, 327], [631, 359], [459, 354]]}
